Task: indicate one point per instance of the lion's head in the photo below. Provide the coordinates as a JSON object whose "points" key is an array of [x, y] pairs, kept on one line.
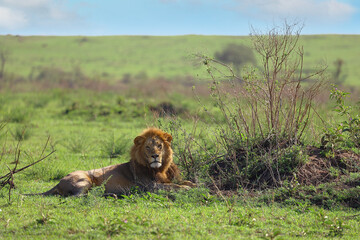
{"points": [[153, 149]]}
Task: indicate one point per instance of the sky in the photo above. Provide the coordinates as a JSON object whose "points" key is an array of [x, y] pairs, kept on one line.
{"points": [[175, 17]]}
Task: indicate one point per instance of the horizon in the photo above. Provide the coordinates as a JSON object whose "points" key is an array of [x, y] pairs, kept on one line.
{"points": [[180, 35]]}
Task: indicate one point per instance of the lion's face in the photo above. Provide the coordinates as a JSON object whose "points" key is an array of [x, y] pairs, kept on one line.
{"points": [[153, 148]]}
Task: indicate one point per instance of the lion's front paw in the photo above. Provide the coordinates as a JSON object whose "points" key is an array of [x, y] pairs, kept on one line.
{"points": [[188, 184], [172, 186], [184, 187]]}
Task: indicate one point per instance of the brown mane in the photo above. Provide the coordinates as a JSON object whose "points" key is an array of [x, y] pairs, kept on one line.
{"points": [[168, 171]]}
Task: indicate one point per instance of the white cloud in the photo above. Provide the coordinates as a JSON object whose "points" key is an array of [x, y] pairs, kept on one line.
{"points": [[11, 19], [26, 3], [332, 10], [337, 9], [15, 14]]}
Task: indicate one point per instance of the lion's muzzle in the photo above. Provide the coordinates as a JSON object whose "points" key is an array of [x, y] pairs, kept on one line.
{"points": [[156, 163]]}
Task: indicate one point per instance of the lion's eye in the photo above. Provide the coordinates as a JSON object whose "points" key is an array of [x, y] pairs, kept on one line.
{"points": [[160, 147], [147, 147]]}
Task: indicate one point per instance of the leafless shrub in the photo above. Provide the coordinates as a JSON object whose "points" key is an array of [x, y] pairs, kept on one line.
{"points": [[266, 114], [278, 91]]}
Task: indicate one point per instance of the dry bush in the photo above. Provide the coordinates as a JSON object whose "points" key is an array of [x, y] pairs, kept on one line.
{"points": [[264, 116], [8, 179]]}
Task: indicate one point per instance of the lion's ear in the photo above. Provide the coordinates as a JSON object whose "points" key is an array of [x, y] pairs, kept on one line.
{"points": [[139, 140], [167, 137]]}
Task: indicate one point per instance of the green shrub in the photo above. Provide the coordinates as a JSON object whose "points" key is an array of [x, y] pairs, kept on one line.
{"points": [[345, 133]]}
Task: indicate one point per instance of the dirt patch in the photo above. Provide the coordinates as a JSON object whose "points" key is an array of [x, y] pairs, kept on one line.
{"points": [[320, 169], [323, 181], [258, 174]]}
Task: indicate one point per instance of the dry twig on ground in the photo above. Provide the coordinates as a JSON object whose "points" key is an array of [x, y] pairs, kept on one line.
{"points": [[8, 179]]}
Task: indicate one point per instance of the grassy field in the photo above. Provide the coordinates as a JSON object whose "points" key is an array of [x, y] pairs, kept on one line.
{"points": [[113, 57], [170, 216], [82, 137], [92, 129]]}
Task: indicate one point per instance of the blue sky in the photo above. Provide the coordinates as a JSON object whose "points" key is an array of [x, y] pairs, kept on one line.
{"points": [[174, 17]]}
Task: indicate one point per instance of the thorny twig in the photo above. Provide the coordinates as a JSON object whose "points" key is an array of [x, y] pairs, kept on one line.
{"points": [[8, 179]]}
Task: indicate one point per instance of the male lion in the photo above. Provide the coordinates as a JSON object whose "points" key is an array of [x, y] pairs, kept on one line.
{"points": [[151, 164]]}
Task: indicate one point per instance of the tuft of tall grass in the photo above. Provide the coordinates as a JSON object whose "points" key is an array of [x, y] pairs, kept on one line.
{"points": [[77, 143], [21, 133], [16, 115], [113, 148]]}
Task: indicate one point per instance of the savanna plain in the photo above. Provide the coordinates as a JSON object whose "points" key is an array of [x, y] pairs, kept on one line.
{"points": [[274, 153]]}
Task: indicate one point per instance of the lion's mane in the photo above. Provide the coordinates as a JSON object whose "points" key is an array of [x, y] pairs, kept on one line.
{"points": [[140, 168]]}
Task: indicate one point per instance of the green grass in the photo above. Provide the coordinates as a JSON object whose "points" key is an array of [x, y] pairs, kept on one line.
{"points": [[195, 214], [184, 215], [110, 58]]}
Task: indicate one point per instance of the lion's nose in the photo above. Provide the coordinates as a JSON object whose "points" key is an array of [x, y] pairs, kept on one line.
{"points": [[155, 156]]}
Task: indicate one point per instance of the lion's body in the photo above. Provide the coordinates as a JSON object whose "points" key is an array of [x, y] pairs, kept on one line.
{"points": [[151, 163]]}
